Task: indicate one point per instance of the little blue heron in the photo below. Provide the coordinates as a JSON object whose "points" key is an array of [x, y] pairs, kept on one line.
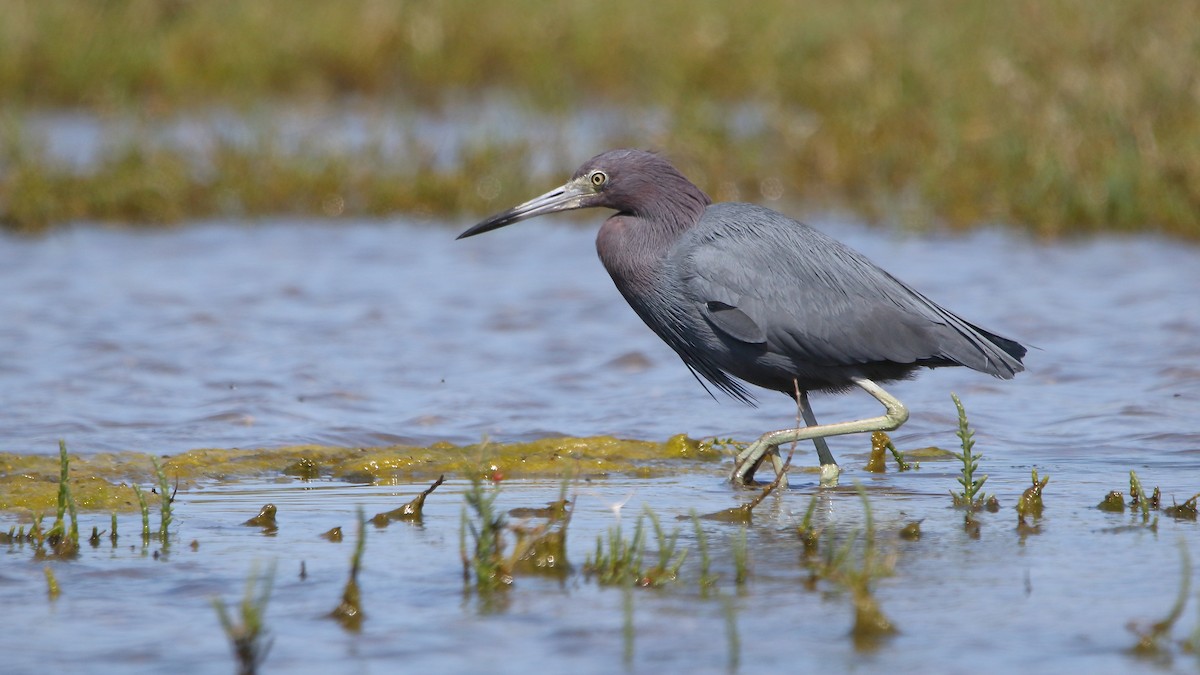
{"points": [[741, 292]]}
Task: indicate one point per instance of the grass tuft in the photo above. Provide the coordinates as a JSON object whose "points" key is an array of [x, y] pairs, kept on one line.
{"points": [[1139, 501], [246, 631], [622, 561], [64, 541], [971, 498], [166, 498], [1113, 502], [349, 611], [141, 497], [855, 564], [1030, 504], [411, 511], [486, 564], [877, 463], [1184, 511]]}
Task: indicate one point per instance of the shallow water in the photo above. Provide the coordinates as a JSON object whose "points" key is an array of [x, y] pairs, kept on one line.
{"points": [[232, 335], [1057, 601]]}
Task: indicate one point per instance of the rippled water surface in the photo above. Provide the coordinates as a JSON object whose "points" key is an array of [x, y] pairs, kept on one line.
{"points": [[269, 334]]}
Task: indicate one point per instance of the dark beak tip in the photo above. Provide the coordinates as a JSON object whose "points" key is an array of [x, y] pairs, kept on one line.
{"points": [[551, 202], [479, 228]]}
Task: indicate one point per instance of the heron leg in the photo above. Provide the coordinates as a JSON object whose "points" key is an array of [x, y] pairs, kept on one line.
{"points": [[777, 463], [829, 467], [824, 456], [748, 460]]}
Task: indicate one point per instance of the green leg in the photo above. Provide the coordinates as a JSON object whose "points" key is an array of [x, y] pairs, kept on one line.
{"points": [[749, 459]]}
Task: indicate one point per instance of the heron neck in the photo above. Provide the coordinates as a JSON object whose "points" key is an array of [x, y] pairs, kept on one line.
{"points": [[632, 249], [672, 210], [633, 242]]}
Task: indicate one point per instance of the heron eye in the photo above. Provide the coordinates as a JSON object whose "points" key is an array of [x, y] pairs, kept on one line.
{"points": [[599, 178]]}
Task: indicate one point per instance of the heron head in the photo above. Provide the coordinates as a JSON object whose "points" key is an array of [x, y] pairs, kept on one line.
{"points": [[632, 181]]}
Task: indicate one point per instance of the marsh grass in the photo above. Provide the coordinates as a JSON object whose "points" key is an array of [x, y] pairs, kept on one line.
{"points": [[1031, 505], [36, 533], [971, 498], [166, 498], [877, 463], [542, 547], [484, 563], [154, 186], [412, 511], [145, 510], [1141, 503], [494, 552], [18, 535], [851, 561], [64, 541], [854, 562], [1185, 511], [1113, 502], [670, 557], [246, 630], [618, 560], [1056, 117], [744, 513], [349, 612]]}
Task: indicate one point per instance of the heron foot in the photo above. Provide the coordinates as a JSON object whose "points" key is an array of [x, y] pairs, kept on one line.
{"points": [[830, 474], [749, 460]]}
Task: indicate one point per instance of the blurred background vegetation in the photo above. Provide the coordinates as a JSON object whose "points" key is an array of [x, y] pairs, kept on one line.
{"points": [[1054, 116]]}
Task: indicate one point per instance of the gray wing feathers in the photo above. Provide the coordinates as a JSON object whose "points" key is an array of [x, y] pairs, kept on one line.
{"points": [[734, 322], [816, 299]]}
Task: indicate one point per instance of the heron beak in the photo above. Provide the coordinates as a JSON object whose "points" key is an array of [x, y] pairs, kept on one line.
{"points": [[565, 198]]}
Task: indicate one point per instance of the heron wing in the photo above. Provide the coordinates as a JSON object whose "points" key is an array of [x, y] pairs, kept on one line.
{"points": [[734, 322], [774, 280]]}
